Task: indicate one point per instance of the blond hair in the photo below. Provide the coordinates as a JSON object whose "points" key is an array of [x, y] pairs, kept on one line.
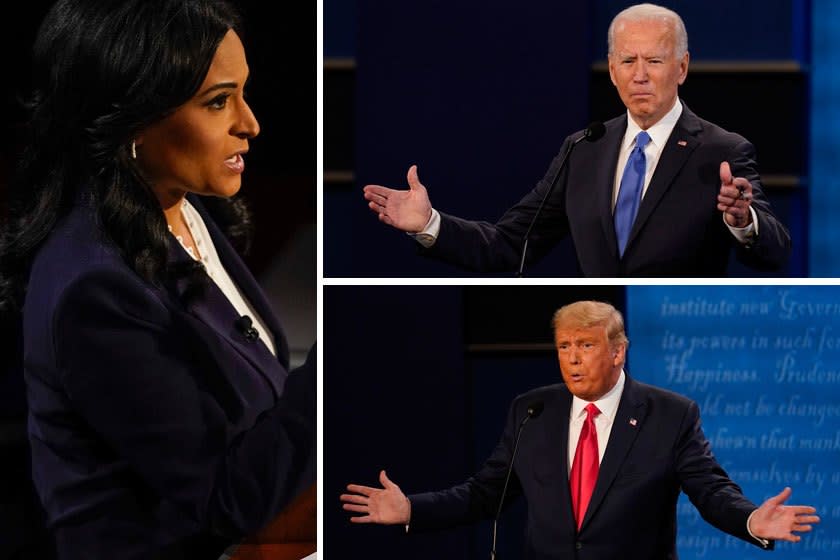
{"points": [[586, 314]]}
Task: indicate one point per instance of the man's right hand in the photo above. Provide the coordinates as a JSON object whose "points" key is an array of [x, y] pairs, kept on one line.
{"points": [[408, 211], [386, 505]]}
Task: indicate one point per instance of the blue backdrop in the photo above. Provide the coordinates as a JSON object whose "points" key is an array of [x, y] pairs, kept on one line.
{"points": [[763, 363], [825, 139]]}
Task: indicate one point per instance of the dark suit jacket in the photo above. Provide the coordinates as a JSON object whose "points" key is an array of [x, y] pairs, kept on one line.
{"points": [[678, 230], [632, 514], [157, 429]]}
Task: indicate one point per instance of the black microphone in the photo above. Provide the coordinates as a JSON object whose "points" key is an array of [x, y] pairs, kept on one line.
{"points": [[534, 410], [245, 326], [593, 132]]}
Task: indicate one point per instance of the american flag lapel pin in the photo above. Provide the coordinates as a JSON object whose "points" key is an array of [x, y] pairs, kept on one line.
{"points": [[682, 143], [633, 421]]}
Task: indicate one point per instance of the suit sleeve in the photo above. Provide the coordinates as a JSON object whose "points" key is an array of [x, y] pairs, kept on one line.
{"points": [[485, 247], [477, 498], [771, 249], [127, 371], [718, 499]]}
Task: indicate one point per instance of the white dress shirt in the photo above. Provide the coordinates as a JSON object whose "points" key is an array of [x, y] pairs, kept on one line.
{"points": [[608, 405], [659, 134], [217, 272]]}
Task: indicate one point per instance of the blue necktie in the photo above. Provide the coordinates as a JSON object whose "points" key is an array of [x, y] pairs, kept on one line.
{"points": [[630, 192]]}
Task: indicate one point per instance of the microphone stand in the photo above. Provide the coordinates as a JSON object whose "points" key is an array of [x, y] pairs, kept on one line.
{"points": [[534, 410], [592, 133]]}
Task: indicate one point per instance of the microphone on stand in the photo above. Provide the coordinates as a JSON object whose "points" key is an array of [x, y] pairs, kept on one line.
{"points": [[593, 132], [534, 410]]}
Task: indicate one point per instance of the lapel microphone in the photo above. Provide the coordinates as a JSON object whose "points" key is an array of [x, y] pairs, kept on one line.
{"points": [[593, 132], [534, 410], [246, 327]]}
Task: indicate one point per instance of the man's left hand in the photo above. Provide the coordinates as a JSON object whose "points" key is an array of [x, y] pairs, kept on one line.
{"points": [[734, 198], [775, 521]]}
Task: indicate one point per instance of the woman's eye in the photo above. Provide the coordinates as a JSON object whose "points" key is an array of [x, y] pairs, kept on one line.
{"points": [[218, 102]]}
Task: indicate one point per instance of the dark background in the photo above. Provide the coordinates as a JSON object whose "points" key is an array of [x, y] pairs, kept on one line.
{"points": [[421, 389], [279, 184], [481, 95]]}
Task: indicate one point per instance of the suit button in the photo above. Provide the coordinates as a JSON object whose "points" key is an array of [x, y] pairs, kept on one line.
{"points": [[578, 545]]}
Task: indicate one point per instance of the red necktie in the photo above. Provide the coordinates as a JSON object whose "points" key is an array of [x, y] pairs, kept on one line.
{"points": [[585, 466]]}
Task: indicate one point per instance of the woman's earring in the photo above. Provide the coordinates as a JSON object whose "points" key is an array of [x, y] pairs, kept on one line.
{"points": [[133, 149]]}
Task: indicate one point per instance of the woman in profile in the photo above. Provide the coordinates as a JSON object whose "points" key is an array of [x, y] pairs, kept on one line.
{"points": [[163, 420]]}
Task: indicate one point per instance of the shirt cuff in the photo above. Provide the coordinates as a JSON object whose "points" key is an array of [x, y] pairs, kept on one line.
{"points": [[429, 234], [764, 542], [745, 235]]}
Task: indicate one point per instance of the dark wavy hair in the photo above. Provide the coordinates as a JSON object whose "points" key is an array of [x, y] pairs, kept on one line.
{"points": [[103, 70]]}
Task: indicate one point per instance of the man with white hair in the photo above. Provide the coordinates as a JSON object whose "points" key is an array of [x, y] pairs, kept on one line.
{"points": [[663, 193]]}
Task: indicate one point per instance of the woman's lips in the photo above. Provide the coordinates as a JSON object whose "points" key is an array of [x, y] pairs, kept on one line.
{"points": [[235, 163]]}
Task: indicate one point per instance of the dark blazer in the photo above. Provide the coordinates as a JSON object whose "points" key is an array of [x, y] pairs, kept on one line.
{"points": [[158, 430], [632, 514], [678, 230]]}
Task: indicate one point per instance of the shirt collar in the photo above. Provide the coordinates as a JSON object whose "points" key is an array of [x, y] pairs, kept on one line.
{"points": [[658, 133], [608, 404]]}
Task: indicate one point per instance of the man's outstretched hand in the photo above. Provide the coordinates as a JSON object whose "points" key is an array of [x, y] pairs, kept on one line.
{"points": [[405, 210], [775, 521], [386, 505]]}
